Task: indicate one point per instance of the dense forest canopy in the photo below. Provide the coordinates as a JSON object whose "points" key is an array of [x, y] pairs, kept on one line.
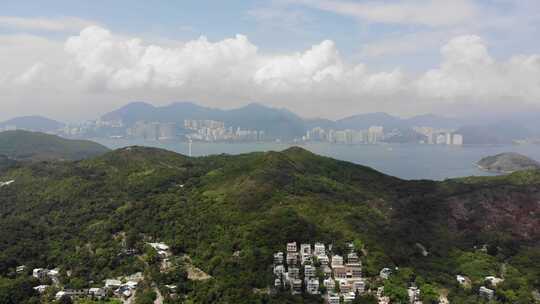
{"points": [[229, 214]]}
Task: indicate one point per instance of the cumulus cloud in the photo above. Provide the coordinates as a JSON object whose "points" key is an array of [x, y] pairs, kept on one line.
{"points": [[108, 69], [468, 71], [68, 24]]}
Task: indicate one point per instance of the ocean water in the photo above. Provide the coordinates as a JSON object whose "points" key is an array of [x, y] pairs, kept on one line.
{"points": [[407, 161]]}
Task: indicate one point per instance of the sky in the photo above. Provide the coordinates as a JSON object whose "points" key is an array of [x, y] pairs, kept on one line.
{"points": [[75, 60]]}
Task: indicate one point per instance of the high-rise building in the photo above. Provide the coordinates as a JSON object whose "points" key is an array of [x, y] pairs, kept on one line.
{"points": [[375, 134], [448, 138], [457, 139]]}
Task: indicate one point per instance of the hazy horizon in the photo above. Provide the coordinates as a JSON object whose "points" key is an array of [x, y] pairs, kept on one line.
{"points": [[318, 58]]}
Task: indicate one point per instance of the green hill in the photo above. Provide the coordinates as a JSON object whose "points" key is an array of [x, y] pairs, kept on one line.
{"points": [[25, 145], [231, 213]]}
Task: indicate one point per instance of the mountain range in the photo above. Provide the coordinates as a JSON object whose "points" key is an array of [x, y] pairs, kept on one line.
{"points": [[284, 124]]}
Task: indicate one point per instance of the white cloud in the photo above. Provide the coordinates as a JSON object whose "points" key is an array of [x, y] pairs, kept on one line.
{"points": [[106, 70], [418, 12], [67, 24], [469, 72]]}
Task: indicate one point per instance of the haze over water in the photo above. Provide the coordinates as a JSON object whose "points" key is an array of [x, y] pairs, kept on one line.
{"points": [[407, 161]]}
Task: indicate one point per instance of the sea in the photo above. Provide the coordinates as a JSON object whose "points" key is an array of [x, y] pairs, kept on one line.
{"points": [[406, 161]]}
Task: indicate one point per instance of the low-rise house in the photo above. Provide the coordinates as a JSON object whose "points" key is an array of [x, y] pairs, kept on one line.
{"points": [[41, 288], [337, 260], [292, 258], [96, 292], [312, 286], [159, 246], [493, 281], [70, 293], [277, 283], [414, 294], [332, 298], [354, 271], [20, 269], [296, 286], [330, 284], [294, 273], [486, 293], [461, 279], [348, 297], [345, 286], [323, 259], [340, 272], [306, 258], [327, 271], [278, 258], [385, 273], [112, 284], [131, 284], [319, 249], [352, 258], [310, 271], [279, 270], [291, 247], [305, 249], [40, 273], [359, 286]]}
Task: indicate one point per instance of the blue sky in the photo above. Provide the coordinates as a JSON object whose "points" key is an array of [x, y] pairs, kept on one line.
{"points": [[405, 57]]}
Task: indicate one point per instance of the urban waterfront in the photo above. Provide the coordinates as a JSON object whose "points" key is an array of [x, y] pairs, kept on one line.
{"points": [[407, 161]]}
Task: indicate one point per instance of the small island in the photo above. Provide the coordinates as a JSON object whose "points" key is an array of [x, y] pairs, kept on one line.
{"points": [[507, 163]]}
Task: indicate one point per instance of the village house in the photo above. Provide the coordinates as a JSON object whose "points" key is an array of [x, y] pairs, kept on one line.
{"points": [[112, 284], [279, 270], [493, 281], [70, 293], [359, 286], [278, 258], [332, 298], [305, 249], [385, 273], [40, 273], [414, 294], [323, 259], [296, 286], [277, 283], [292, 258], [312, 286], [348, 297], [352, 258], [291, 247], [353, 271], [330, 284], [20, 269], [486, 293], [461, 279], [345, 286], [337, 260], [340, 272], [41, 288], [306, 258], [97, 293], [294, 273], [319, 249], [310, 271]]}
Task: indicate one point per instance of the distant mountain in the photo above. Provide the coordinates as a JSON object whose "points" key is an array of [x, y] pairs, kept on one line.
{"points": [[435, 121], [277, 123], [33, 123], [496, 133], [508, 163], [25, 145], [364, 121]]}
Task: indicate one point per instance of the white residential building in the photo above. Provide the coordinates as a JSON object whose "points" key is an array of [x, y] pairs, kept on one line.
{"points": [[305, 249], [319, 249], [279, 270], [310, 271], [332, 298], [278, 258], [291, 247], [330, 284], [486, 293], [337, 260], [348, 297], [385, 273], [312, 286]]}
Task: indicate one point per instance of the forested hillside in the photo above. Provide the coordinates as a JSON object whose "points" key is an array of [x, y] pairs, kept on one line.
{"points": [[231, 213]]}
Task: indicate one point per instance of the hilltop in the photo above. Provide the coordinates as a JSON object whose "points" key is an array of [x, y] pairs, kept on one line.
{"points": [[25, 145], [508, 163], [34, 123], [231, 213]]}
